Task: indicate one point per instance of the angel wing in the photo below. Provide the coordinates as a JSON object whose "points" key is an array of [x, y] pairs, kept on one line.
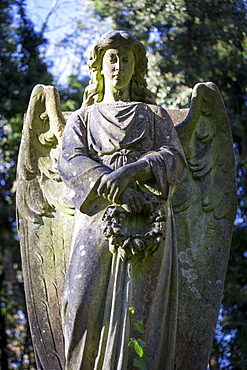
{"points": [[45, 216], [205, 208]]}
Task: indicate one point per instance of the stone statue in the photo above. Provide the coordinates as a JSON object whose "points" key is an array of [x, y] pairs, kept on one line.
{"points": [[125, 217]]}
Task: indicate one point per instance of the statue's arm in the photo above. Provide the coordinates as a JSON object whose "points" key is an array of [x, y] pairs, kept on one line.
{"points": [[168, 145], [77, 169], [113, 184]]}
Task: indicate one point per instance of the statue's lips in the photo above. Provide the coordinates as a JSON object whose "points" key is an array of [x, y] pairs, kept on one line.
{"points": [[118, 77]]}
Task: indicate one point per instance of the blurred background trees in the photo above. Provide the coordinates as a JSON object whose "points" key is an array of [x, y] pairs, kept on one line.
{"points": [[187, 42], [21, 67]]}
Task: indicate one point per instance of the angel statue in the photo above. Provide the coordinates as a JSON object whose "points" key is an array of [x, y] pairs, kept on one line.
{"points": [[125, 218]]}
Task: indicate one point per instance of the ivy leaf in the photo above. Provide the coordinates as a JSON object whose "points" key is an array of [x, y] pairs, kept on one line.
{"points": [[132, 342], [140, 363], [138, 346], [132, 309], [141, 343], [139, 326]]}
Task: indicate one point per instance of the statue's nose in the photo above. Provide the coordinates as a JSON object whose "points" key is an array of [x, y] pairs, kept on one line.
{"points": [[118, 65]]}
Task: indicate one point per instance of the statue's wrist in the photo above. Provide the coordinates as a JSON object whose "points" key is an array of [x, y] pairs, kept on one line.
{"points": [[140, 170]]}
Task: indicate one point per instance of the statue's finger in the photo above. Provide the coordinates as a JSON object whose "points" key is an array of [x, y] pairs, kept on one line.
{"points": [[109, 195], [132, 205], [135, 204], [145, 207], [104, 195], [100, 189], [127, 207], [116, 195], [138, 204]]}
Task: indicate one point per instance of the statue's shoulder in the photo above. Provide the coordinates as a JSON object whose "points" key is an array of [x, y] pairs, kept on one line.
{"points": [[80, 115], [159, 111]]}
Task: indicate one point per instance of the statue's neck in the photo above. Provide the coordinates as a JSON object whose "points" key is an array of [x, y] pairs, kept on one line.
{"points": [[113, 95]]}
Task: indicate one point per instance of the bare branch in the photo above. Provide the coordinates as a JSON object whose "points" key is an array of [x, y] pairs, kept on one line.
{"points": [[51, 11]]}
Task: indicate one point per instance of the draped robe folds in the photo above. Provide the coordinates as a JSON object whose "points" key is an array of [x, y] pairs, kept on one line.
{"points": [[100, 286]]}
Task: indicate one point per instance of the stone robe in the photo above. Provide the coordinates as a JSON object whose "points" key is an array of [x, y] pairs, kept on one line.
{"points": [[100, 286]]}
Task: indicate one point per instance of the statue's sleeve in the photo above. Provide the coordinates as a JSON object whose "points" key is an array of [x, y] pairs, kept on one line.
{"points": [[78, 170], [167, 160]]}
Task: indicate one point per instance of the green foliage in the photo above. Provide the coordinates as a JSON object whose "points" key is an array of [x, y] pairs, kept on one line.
{"points": [[10, 134], [234, 305], [138, 325], [138, 346], [71, 96], [132, 309], [140, 363], [21, 67], [15, 342], [137, 343], [187, 39]]}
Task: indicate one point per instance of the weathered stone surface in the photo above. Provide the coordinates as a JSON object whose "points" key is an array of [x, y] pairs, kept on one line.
{"points": [[205, 208], [45, 218], [122, 163]]}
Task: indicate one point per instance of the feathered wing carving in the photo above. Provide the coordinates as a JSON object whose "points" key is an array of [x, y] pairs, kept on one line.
{"points": [[45, 216], [205, 208]]}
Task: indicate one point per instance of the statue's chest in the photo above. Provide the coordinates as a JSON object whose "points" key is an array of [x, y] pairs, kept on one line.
{"points": [[115, 131]]}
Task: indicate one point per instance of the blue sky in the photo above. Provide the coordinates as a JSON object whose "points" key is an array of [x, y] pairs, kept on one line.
{"points": [[59, 21], [69, 17]]}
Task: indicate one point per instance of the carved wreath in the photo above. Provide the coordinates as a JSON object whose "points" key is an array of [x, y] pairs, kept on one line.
{"points": [[125, 243]]}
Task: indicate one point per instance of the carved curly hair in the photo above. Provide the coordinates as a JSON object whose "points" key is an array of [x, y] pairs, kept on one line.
{"points": [[94, 92]]}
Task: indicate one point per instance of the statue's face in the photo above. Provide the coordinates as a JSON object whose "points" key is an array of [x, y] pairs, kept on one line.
{"points": [[118, 67]]}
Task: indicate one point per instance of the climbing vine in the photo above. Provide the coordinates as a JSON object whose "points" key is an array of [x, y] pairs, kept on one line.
{"points": [[138, 344]]}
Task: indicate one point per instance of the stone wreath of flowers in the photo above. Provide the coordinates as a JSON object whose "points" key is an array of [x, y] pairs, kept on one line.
{"points": [[128, 245]]}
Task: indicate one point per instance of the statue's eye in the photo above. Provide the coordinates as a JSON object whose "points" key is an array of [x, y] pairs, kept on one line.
{"points": [[113, 58]]}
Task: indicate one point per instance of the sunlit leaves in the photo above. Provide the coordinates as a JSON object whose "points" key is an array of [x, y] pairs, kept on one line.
{"points": [[138, 346], [138, 325]]}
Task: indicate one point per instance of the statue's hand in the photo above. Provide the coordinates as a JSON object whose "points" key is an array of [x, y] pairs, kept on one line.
{"points": [[113, 184], [134, 202]]}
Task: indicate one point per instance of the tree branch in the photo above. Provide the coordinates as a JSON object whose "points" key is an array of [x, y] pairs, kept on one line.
{"points": [[51, 11]]}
